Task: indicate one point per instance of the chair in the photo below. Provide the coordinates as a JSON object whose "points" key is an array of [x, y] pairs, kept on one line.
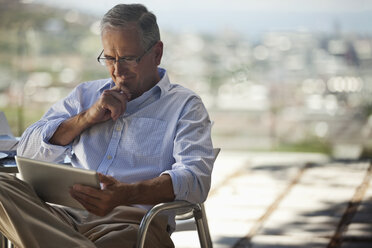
{"points": [[4, 242], [184, 211]]}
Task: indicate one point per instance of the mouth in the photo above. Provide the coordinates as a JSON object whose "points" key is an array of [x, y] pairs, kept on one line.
{"points": [[123, 81]]}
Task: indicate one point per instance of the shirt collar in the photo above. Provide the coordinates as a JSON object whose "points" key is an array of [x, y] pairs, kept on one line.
{"points": [[164, 83], [107, 85], [151, 95]]}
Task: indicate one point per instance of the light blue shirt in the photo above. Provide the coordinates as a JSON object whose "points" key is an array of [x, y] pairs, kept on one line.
{"points": [[166, 130]]}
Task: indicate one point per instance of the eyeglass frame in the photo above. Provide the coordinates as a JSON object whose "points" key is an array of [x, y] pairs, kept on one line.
{"points": [[124, 59]]}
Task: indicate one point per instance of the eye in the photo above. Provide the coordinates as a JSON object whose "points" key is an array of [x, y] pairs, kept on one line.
{"points": [[128, 58], [110, 58]]}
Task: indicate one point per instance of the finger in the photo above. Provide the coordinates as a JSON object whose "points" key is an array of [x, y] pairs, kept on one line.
{"points": [[87, 201], [123, 90], [91, 208], [86, 190], [115, 102], [121, 97], [89, 205], [114, 97], [115, 112], [106, 181], [114, 108], [86, 204]]}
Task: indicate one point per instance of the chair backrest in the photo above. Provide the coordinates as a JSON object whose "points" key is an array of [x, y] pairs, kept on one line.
{"points": [[216, 151]]}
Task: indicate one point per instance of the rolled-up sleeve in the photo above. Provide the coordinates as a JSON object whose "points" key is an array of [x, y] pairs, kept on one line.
{"points": [[34, 142], [193, 153]]}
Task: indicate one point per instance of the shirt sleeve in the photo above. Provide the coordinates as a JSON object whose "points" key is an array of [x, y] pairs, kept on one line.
{"points": [[34, 142], [193, 153]]}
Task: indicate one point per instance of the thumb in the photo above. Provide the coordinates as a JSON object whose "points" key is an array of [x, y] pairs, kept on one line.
{"points": [[123, 90], [106, 180]]}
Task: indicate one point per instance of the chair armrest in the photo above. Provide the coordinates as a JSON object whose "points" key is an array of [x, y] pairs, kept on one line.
{"points": [[155, 210]]}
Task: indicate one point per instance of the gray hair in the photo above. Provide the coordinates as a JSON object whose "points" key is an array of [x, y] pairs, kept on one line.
{"points": [[124, 15]]}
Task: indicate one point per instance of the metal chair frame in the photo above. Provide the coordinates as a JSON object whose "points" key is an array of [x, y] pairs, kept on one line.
{"points": [[5, 243], [193, 210]]}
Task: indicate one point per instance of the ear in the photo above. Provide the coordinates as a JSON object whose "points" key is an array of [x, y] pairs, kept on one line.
{"points": [[158, 50]]}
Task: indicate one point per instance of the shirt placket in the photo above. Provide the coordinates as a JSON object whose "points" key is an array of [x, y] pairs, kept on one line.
{"points": [[110, 154]]}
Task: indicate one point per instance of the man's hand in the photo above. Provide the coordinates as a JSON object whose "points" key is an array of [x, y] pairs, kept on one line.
{"points": [[114, 193], [111, 104], [100, 201]]}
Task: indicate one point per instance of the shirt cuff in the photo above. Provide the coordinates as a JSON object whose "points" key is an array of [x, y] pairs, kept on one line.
{"points": [[48, 132], [183, 182]]}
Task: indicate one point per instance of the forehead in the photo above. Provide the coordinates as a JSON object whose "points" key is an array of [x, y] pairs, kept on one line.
{"points": [[122, 40]]}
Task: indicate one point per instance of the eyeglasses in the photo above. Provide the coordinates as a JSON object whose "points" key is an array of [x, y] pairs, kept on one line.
{"points": [[128, 61]]}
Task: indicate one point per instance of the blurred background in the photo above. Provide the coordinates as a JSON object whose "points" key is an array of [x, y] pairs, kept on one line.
{"points": [[290, 75]]}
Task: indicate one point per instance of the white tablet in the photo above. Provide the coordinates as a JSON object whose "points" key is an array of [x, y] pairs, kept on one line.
{"points": [[52, 182]]}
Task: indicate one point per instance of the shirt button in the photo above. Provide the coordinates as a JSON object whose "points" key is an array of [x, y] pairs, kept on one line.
{"points": [[118, 129], [109, 157]]}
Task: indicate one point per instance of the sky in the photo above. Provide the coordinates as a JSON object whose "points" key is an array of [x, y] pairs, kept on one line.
{"points": [[251, 16]]}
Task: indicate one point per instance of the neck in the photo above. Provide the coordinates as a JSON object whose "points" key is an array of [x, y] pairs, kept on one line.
{"points": [[147, 86]]}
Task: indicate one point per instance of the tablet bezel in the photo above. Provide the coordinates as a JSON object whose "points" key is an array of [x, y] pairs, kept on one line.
{"points": [[52, 181]]}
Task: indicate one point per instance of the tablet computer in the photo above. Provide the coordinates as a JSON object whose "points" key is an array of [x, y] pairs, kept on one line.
{"points": [[52, 182]]}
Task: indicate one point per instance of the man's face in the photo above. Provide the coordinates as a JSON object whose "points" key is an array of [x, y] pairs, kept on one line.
{"points": [[126, 43]]}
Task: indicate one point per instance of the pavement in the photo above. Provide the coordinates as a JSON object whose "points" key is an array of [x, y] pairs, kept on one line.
{"points": [[262, 200]]}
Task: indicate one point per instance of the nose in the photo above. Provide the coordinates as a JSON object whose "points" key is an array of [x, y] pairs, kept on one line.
{"points": [[119, 69]]}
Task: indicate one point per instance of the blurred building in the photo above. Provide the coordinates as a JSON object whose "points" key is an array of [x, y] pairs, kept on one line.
{"points": [[278, 89]]}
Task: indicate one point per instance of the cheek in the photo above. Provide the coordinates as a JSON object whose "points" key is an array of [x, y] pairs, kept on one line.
{"points": [[111, 71], [133, 72]]}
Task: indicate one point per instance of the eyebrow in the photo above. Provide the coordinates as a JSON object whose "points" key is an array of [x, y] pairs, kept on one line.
{"points": [[120, 57]]}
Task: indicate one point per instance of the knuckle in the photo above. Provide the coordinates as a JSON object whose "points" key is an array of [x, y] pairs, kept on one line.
{"points": [[83, 197], [106, 199]]}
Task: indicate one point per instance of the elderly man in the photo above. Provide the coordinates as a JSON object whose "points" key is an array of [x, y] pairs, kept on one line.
{"points": [[149, 140]]}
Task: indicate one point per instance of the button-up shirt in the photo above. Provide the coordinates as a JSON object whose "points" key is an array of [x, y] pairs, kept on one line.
{"points": [[166, 130]]}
